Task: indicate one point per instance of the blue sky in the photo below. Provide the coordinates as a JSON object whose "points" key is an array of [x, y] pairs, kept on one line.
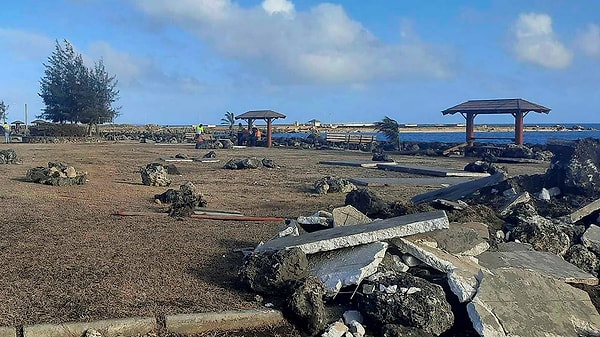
{"points": [[190, 61]]}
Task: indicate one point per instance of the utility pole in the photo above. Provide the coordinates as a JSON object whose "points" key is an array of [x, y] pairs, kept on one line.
{"points": [[26, 126]]}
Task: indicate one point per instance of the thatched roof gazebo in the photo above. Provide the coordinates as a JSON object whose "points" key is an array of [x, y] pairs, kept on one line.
{"points": [[517, 107], [266, 115]]}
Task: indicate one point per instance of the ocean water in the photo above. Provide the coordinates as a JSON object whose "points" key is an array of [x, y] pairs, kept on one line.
{"points": [[530, 137]]}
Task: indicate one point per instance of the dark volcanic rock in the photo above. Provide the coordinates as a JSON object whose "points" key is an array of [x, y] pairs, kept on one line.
{"points": [[576, 169], [481, 166], [583, 258], [306, 305], [274, 273], [426, 308], [183, 201], [173, 170], [542, 234], [211, 154], [239, 164], [155, 175], [8, 156], [517, 151], [333, 185], [266, 162], [56, 174], [368, 203], [382, 157]]}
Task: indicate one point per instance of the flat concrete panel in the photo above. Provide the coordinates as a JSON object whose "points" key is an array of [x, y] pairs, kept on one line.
{"points": [[517, 302], [460, 190], [348, 236], [439, 181], [585, 211], [222, 321], [360, 163], [108, 328], [347, 266], [544, 263], [431, 171]]}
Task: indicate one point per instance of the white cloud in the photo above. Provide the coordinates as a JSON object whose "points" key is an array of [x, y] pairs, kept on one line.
{"points": [[278, 6], [535, 42], [320, 45], [128, 68], [588, 40], [26, 45]]}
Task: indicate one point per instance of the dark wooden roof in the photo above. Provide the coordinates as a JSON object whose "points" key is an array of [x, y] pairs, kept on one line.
{"points": [[496, 106], [260, 114], [17, 122]]}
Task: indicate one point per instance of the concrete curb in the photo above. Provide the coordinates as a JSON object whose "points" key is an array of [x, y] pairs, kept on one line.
{"points": [[182, 324], [108, 328], [227, 320]]}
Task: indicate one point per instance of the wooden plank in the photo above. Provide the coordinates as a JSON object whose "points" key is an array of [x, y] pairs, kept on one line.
{"points": [[431, 171], [585, 211], [459, 191], [437, 181]]}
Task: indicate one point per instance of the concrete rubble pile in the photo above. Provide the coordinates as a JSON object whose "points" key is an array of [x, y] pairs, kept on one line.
{"points": [[56, 174], [507, 259]]}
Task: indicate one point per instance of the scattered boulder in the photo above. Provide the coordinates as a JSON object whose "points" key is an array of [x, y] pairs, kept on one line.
{"points": [[575, 168], [56, 174], [414, 303], [266, 162], [240, 164], [542, 234], [333, 185], [183, 201], [481, 166], [583, 258], [591, 239], [155, 175], [211, 154], [182, 156], [273, 272], [306, 305], [368, 203], [8, 156], [517, 151], [382, 157], [226, 143]]}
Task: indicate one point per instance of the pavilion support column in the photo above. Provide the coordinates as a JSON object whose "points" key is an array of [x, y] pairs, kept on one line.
{"points": [[519, 128], [269, 131], [250, 124], [470, 117]]}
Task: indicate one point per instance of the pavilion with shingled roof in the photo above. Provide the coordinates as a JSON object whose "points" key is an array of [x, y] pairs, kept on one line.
{"points": [[517, 107], [266, 115]]}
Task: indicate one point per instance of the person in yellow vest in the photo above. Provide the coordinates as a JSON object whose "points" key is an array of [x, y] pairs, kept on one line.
{"points": [[6, 128], [199, 131]]}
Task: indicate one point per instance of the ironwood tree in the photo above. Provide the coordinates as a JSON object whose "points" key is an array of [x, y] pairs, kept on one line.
{"points": [[390, 129], [75, 93], [3, 109]]}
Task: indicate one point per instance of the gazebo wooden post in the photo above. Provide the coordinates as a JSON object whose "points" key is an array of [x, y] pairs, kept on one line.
{"points": [[250, 123], [470, 132], [518, 127], [269, 131]]}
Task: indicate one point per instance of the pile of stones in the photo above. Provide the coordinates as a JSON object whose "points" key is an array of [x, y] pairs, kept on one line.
{"points": [[56, 174]]}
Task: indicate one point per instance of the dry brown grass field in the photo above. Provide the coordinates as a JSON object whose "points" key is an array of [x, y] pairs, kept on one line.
{"points": [[65, 256]]}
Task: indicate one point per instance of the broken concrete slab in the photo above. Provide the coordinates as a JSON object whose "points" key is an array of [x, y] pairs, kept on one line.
{"points": [[430, 171], [585, 211], [542, 262], [348, 216], [468, 239], [517, 302], [513, 201], [346, 266], [464, 274], [358, 163], [420, 181], [348, 236], [591, 239], [460, 190]]}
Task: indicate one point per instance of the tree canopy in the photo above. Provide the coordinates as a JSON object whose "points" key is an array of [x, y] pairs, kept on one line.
{"points": [[390, 128], [3, 113], [75, 93]]}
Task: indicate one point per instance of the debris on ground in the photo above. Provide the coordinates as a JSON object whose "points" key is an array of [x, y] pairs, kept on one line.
{"points": [[249, 163], [184, 201], [498, 257], [154, 174], [332, 184], [8, 156], [56, 174]]}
